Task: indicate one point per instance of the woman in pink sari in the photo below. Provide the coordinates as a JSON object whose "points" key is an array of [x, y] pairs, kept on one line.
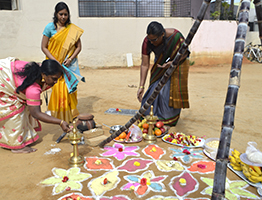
{"points": [[21, 84]]}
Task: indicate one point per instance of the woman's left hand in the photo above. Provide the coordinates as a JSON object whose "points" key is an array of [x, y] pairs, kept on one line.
{"points": [[165, 65], [67, 62]]}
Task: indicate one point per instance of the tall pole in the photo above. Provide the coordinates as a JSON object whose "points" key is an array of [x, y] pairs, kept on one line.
{"points": [[258, 6], [230, 105]]}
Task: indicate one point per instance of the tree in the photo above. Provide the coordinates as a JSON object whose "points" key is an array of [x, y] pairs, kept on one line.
{"points": [[218, 8], [232, 7]]}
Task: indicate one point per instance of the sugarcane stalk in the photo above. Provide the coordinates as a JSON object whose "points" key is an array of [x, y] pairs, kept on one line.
{"points": [[166, 75], [230, 105], [258, 6]]}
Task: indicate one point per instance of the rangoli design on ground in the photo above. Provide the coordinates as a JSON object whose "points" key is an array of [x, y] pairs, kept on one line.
{"points": [[158, 197], [120, 151], [95, 163], [135, 165], [173, 198], [202, 167], [117, 197], [234, 189], [169, 165], [154, 151], [77, 196], [186, 154], [184, 184], [145, 183], [66, 180], [104, 183]]}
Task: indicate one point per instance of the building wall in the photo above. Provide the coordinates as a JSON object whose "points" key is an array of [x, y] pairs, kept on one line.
{"points": [[214, 42], [106, 41]]}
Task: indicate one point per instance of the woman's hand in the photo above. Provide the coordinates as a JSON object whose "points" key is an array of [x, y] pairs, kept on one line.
{"points": [[140, 93], [35, 111], [67, 62], [165, 65], [65, 127]]}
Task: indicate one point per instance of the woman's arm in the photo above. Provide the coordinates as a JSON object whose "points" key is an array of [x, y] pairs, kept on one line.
{"points": [[78, 46], [143, 74], [35, 111], [44, 47]]}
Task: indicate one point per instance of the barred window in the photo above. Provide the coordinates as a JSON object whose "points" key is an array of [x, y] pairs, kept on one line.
{"points": [[134, 8], [8, 5]]}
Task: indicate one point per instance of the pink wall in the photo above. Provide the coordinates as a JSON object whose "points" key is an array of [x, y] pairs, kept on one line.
{"points": [[214, 42]]}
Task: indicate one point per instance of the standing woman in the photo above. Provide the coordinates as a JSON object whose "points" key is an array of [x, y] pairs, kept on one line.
{"points": [[61, 42], [21, 84], [164, 43]]}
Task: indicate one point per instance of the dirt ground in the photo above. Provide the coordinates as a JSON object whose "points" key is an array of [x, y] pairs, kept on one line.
{"points": [[21, 174]]}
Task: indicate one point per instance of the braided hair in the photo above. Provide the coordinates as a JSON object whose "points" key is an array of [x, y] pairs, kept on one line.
{"points": [[157, 29], [33, 72], [61, 6]]}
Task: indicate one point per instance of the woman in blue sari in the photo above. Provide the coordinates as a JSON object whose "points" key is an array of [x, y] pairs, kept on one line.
{"points": [[164, 43]]}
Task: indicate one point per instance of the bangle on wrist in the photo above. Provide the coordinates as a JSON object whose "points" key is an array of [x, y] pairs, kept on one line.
{"points": [[141, 87], [61, 122], [70, 59]]}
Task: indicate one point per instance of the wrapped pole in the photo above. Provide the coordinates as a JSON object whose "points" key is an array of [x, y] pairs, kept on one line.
{"points": [[258, 6], [230, 105], [166, 76]]}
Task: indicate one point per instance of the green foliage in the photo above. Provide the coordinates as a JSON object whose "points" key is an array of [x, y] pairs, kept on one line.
{"points": [[226, 12], [215, 15]]}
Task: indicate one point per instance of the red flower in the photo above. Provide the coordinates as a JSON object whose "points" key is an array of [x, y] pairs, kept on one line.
{"points": [[201, 166], [143, 181], [65, 179], [117, 109], [186, 151], [120, 149], [105, 181], [174, 158], [68, 188]]}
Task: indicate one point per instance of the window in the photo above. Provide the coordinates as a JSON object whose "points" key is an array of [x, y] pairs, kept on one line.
{"points": [[8, 5], [133, 8]]}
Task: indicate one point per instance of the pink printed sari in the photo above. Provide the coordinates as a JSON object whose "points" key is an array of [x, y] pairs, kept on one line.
{"points": [[17, 127]]}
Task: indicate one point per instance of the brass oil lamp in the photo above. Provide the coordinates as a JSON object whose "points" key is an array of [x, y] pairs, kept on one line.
{"points": [[151, 120], [75, 160]]}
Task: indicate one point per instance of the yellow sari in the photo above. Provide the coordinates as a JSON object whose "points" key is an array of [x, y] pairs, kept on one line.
{"points": [[61, 45]]}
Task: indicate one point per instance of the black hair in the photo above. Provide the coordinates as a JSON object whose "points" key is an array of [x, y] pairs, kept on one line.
{"points": [[33, 72], [157, 29], [61, 6]]}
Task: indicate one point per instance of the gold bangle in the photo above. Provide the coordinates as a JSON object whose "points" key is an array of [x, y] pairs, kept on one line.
{"points": [[141, 87], [70, 59], [61, 122]]}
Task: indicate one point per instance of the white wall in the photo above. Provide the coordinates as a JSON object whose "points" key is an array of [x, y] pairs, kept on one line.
{"points": [[106, 41]]}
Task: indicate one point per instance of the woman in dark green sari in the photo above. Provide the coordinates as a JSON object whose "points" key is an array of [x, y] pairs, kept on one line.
{"points": [[164, 43]]}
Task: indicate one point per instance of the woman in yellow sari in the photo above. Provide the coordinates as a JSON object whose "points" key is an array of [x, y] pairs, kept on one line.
{"points": [[61, 42]]}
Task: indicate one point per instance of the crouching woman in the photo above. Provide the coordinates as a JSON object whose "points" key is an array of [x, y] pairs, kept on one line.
{"points": [[21, 84]]}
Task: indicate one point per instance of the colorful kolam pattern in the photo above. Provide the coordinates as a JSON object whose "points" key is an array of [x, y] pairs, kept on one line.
{"points": [[128, 174]]}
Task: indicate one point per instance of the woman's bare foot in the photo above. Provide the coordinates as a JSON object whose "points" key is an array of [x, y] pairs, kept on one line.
{"points": [[24, 150]]}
